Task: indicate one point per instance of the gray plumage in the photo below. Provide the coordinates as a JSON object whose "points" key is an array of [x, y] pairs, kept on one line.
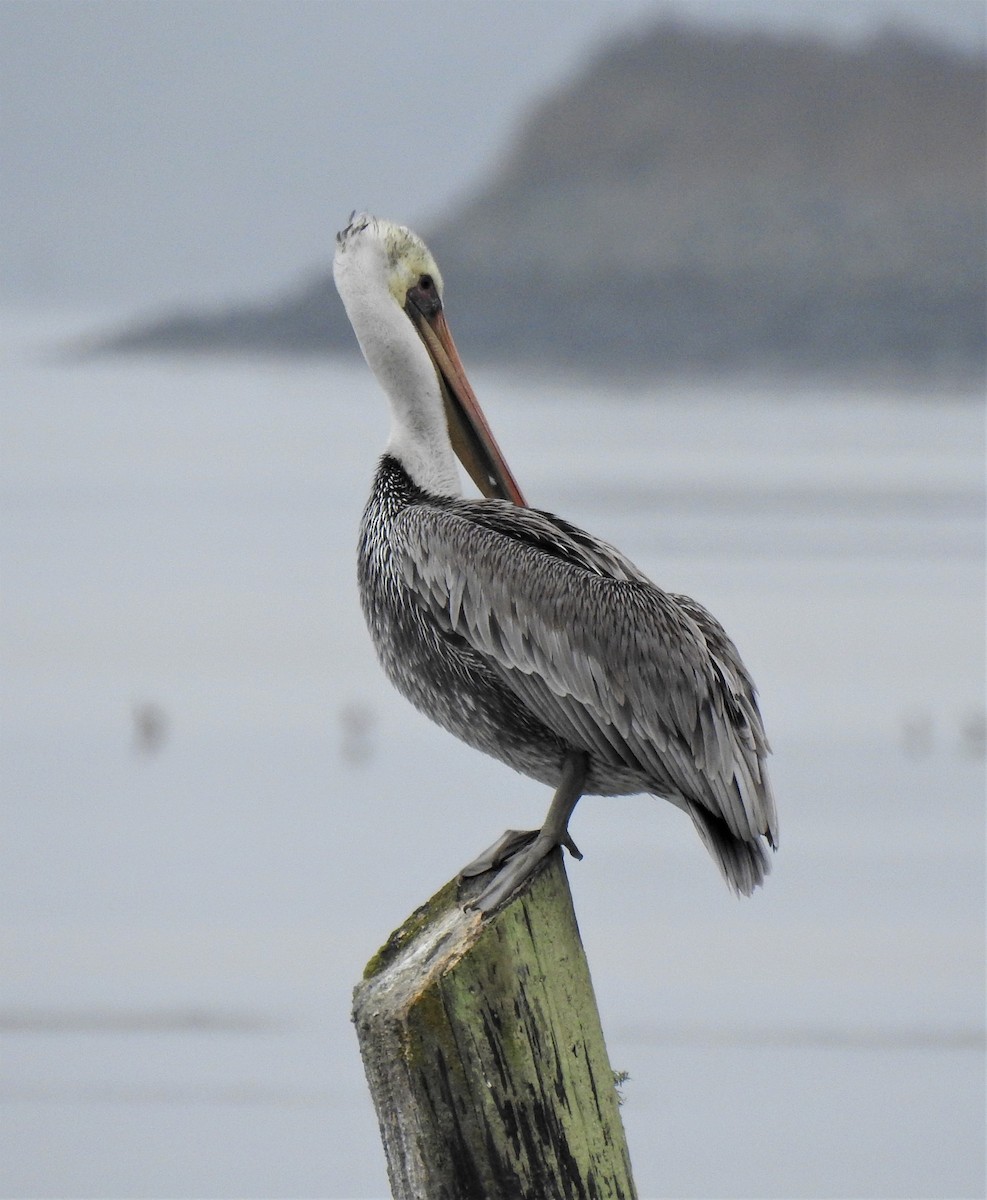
{"points": [[528, 638]]}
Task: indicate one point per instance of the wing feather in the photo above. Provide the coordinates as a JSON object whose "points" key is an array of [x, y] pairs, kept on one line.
{"points": [[644, 679]]}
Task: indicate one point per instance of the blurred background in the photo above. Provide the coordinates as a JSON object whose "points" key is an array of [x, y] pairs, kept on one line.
{"points": [[719, 268]]}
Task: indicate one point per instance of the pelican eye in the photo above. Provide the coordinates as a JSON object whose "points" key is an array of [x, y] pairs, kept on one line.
{"points": [[424, 296]]}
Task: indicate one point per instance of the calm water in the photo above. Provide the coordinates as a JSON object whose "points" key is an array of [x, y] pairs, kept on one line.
{"points": [[215, 809]]}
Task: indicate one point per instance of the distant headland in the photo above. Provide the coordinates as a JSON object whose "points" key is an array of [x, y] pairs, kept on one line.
{"points": [[700, 200]]}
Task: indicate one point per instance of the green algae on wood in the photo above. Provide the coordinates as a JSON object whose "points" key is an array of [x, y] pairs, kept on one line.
{"points": [[412, 926], [484, 1053]]}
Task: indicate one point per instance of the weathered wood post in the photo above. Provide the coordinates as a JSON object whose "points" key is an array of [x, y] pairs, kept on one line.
{"points": [[482, 1045]]}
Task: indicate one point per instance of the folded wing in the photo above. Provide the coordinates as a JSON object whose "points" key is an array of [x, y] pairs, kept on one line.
{"points": [[642, 679]]}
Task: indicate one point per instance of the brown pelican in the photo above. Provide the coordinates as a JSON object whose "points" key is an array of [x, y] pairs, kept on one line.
{"points": [[529, 639]]}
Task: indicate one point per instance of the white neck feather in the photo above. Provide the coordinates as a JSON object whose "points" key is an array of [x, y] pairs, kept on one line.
{"points": [[419, 437]]}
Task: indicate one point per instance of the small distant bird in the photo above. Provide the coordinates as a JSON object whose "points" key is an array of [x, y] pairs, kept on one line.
{"points": [[356, 722], [526, 637], [973, 735], [150, 726]]}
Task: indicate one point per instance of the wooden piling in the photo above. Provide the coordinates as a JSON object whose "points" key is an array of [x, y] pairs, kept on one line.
{"points": [[484, 1053]]}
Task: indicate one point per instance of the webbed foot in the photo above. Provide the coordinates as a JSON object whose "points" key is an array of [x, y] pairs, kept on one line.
{"points": [[517, 854], [510, 842], [514, 873], [507, 846]]}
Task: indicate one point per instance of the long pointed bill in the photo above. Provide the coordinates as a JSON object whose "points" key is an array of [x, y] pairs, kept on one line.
{"points": [[471, 436]]}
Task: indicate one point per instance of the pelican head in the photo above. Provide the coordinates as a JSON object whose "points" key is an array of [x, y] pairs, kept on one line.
{"points": [[392, 292]]}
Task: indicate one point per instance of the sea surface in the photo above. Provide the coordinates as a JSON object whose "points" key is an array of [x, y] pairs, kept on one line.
{"points": [[215, 809]]}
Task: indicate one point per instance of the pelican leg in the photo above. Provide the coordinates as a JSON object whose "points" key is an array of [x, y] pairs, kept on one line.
{"points": [[517, 853]]}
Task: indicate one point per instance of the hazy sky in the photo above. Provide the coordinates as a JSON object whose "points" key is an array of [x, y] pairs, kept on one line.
{"points": [[156, 151]]}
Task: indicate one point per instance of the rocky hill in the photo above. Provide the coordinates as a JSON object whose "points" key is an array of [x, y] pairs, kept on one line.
{"points": [[708, 200]]}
